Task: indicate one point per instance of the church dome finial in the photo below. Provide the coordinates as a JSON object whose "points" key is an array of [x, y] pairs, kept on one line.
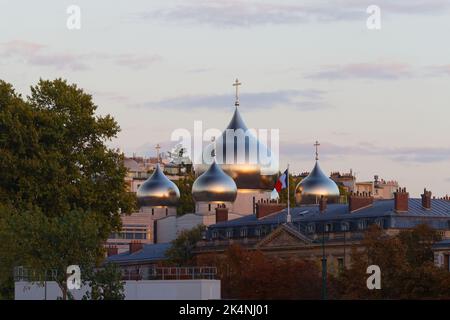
{"points": [[315, 185], [237, 84]]}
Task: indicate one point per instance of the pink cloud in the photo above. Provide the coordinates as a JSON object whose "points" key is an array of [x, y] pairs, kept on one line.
{"points": [[387, 71]]}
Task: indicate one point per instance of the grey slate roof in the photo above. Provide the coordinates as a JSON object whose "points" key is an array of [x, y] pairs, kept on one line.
{"points": [[442, 244], [149, 252], [380, 208]]}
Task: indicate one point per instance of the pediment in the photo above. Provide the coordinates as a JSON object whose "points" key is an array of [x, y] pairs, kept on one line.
{"points": [[284, 236]]}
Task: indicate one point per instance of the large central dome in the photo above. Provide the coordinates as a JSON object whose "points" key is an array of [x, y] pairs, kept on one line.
{"points": [[243, 157]]}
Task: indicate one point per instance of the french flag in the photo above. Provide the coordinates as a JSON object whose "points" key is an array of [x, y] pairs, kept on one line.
{"points": [[282, 182]]}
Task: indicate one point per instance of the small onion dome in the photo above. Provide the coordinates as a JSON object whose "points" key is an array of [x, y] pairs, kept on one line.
{"points": [[315, 185], [158, 191], [214, 185]]}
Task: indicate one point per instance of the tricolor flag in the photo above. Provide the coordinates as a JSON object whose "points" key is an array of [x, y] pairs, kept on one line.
{"points": [[282, 181]]}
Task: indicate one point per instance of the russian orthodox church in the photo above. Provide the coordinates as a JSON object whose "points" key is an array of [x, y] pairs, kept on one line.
{"points": [[228, 188], [232, 198]]}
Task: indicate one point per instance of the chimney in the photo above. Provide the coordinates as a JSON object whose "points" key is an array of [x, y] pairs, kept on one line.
{"points": [[221, 214], [322, 204], [426, 199], [111, 251], [135, 246], [401, 198], [264, 209], [359, 200]]}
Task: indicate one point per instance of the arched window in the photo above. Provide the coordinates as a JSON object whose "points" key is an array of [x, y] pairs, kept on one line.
{"points": [[380, 222], [362, 224], [345, 226], [311, 228], [328, 227]]}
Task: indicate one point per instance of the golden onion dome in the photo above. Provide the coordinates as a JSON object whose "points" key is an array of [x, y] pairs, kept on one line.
{"points": [[158, 191], [214, 185], [250, 164], [315, 185]]}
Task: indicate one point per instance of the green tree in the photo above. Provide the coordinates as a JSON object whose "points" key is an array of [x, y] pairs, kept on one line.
{"points": [[43, 243], [105, 283], [54, 160], [180, 252], [406, 264], [184, 184]]}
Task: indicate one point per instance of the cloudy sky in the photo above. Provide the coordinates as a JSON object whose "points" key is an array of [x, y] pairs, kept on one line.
{"points": [[377, 100]]}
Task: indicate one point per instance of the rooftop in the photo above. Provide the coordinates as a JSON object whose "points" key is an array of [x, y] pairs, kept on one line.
{"points": [[149, 253], [439, 208]]}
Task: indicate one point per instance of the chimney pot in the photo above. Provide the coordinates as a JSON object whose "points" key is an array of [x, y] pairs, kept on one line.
{"points": [[221, 214], [322, 204], [359, 201], [401, 200], [264, 209], [135, 246], [111, 251], [426, 199]]}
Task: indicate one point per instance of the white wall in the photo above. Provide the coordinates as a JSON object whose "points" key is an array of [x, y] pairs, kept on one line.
{"points": [[166, 229], [243, 205], [134, 290]]}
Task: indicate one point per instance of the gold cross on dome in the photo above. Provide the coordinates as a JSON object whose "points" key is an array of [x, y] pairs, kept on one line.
{"points": [[237, 84], [317, 144]]}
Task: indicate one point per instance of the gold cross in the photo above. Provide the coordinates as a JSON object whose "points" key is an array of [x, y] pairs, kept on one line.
{"points": [[317, 144], [237, 84]]}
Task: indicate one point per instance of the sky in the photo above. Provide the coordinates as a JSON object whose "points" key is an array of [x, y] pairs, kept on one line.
{"points": [[377, 100]]}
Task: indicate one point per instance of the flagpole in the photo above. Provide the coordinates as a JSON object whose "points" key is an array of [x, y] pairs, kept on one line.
{"points": [[288, 218]]}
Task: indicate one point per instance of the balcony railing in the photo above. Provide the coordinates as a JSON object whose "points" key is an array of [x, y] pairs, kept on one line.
{"points": [[169, 273]]}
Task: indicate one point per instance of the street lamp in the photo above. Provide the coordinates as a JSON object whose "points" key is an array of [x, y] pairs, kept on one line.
{"points": [[324, 266]]}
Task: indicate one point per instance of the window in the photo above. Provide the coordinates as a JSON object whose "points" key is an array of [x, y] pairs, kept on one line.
{"points": [[361, 224], [311, 228], [215, 234], [345, 226], [153, 211], [380, 223], [257, 232], [341, 265], [243, 232], [328, 227], [230, 233], [209, 206]]}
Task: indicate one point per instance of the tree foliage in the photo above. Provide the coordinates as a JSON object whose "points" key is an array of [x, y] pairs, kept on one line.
{"points": [[181, 252], [43, 243], [56, 168], [105, 283], [248, 274], [184, 184], [406, 263], [53, 154]]}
